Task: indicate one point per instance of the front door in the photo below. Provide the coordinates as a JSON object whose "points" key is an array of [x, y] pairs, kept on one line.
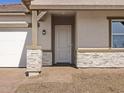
{"points": [[63, 44]]}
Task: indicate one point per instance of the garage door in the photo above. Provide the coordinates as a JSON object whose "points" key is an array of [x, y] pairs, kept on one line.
{"points": [[12, 48]]}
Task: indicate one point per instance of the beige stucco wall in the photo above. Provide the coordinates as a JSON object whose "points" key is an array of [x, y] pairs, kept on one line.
{"points": [[45, 40], [92, 28], [15, 18]]}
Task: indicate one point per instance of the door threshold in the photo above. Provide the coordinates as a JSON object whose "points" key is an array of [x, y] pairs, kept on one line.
{"points": [[64, 64]]}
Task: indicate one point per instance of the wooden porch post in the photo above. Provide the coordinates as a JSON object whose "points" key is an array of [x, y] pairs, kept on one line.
{"points": [[34, 52]]}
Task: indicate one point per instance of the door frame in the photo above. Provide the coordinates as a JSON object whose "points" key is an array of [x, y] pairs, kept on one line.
{"points": [[63, 20]]}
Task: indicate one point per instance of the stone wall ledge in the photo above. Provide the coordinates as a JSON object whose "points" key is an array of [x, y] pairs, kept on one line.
{"points": [[100, 59], [82, 50]]}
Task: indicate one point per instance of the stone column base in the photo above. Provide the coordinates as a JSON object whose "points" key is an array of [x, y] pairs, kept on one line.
{"points": [[47, 58], [31, 73], [34, 62]]}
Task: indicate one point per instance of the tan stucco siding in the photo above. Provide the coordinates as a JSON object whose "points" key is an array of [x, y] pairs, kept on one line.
{"points": [[93, 28], [45, 40], [11, 18]]}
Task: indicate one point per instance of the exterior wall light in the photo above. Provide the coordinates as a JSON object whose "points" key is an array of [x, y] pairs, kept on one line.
{"points": [[44, 32]]}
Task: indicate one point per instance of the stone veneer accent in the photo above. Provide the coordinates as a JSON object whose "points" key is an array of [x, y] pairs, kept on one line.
{"points": [[47, 58], [100, 59], [34, 60]]}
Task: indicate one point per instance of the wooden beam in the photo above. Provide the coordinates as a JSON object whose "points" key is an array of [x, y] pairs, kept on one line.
{"points": [[34, 28], [41, 15]]}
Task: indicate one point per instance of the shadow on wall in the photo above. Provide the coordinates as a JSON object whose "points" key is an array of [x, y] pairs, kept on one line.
{"points": [[13, 47], [23, 59]]}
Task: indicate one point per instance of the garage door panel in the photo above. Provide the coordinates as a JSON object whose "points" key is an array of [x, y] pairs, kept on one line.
{"points": [[11, 48]]}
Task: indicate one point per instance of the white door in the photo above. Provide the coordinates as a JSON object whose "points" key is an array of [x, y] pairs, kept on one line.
{"points": [[62, 44]]}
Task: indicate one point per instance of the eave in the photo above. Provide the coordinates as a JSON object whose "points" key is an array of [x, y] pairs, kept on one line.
{"points": [[77, 7]]}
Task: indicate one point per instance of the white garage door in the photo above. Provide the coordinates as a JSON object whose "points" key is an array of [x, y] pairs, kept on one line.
{"points": [[11, 48]]}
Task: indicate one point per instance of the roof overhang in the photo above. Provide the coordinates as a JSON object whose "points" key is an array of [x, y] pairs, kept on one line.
{"points": [[13, 8], [74, 5], [77, 7]]}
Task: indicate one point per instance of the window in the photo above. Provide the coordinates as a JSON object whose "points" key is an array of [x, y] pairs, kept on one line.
{"points": [[117, 34]]}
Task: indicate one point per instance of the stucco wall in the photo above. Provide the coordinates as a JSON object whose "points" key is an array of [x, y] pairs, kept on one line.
{"points": [[45, 40], [92, 28], [16, 18]]}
